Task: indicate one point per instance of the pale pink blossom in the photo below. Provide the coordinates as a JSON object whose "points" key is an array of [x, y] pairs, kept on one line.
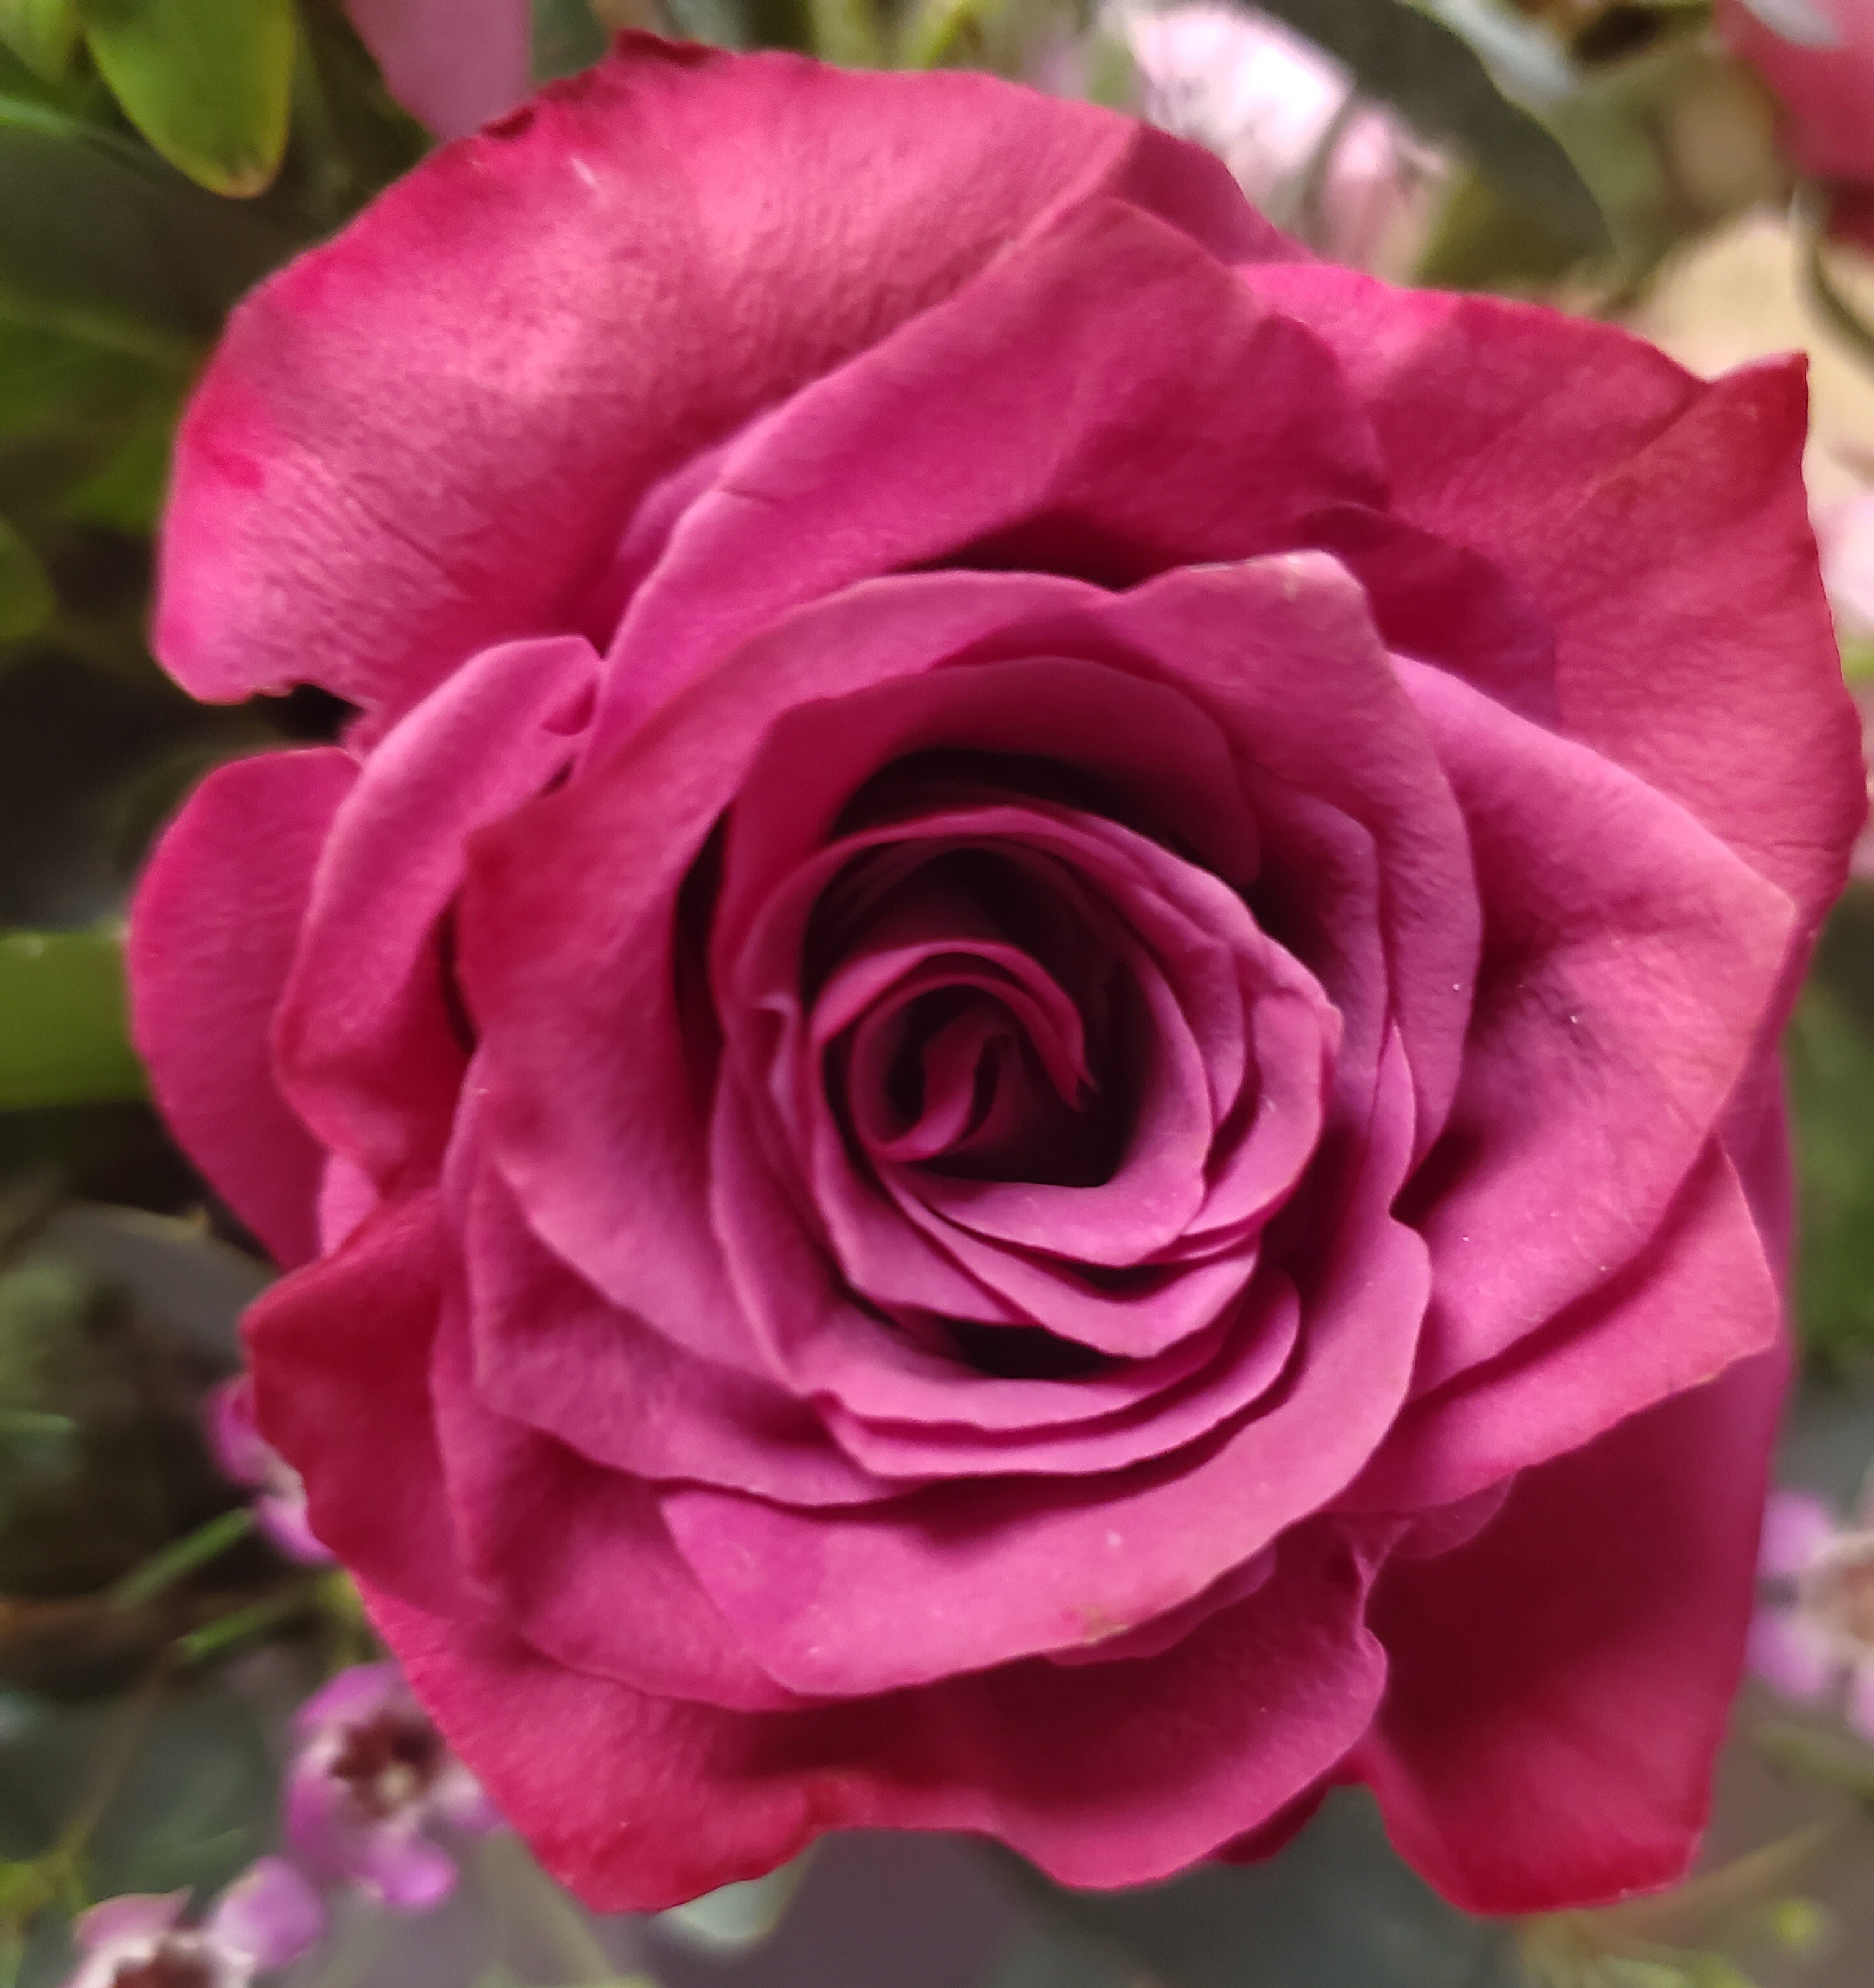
{"points": [[1845, 534], [452, 63], [373, 1784], [1347, 177], [266, 1919], [1814, 1634]]}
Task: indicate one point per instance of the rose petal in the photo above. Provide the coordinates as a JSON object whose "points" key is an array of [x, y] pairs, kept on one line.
{"points": [[640, 1803], [622, 1395], [626, 217], [1722, 688], [1629, 960], [340, 1354], [1160, 341], [212, 935], [965, 1575], [1698, 1298], [1557, 1690], [367, 1053], [577, 1558], [1283, 654]]}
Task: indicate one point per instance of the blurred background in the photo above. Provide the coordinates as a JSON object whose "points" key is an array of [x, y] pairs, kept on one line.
{"points": [[167, 1630]]}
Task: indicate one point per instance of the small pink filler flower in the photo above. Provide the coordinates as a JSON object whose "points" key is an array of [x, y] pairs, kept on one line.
{"points": [[267, 1918], [372, 1780], [1815, 1631], [244, 1456]]}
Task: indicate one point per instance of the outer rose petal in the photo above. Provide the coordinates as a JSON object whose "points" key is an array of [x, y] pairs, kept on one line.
{"points": [[1700, 1297], [1558, 1687], [454, 63], [658, 286], [212, 931], [1629, 959], [1202, 427], [639, 1803], [341, 1357], [365, 1044], [1716, 678]]}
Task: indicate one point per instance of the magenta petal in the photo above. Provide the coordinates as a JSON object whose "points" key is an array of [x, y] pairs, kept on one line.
{"points": [[453, 63], [270, 1916], [577, 1558], [1722, 689], [341, 1353], [1202, 427], [1631, 960], [552, 975], [969, 1575], [1558, 1688], [366, 1046], [1698, 1298], [212, 931], [622, 1395], [461, 1802], [1282, 653], [1798, 1527], [284, 1521], [640, 1803], [624, 217]]}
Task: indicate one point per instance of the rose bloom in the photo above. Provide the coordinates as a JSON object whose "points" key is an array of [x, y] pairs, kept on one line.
{"points": [[1017, 1070]]}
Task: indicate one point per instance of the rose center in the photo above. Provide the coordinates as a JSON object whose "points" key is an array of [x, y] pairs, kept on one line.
{"points": [[1001, 1052]]}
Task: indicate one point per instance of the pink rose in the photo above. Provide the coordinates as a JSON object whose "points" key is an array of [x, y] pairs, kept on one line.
{"points": [[1017, 1071], [452, 63]]}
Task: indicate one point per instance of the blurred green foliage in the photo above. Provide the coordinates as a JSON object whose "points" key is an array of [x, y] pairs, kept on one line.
{"points": [[1829, 1053]]}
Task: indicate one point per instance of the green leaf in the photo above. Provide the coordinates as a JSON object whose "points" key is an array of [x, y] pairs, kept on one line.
{"points": [[1440, 85], [100, 242], [27, 601], [43, 33], [182, 1558], [209, 82], [567, 37], [1289, 1923], [63, 1035], [736, 1917], [1478, 241]]}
